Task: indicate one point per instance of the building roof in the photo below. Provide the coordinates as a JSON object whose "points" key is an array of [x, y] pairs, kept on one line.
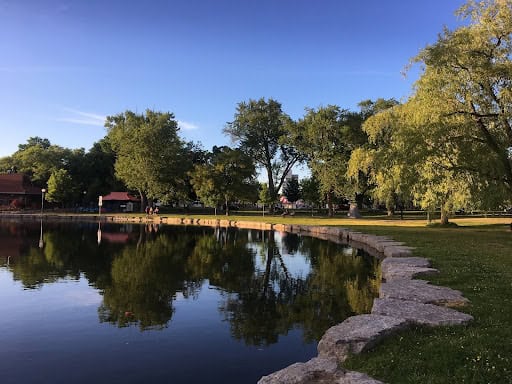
{"points": [[119, 196], [17, 183]]}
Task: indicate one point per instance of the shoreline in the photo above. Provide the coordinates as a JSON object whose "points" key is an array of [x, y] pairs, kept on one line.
{"points": [[400, 305]]}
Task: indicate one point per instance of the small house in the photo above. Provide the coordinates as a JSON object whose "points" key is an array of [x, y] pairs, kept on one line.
{"points": [[120, 202], [16, 192]]}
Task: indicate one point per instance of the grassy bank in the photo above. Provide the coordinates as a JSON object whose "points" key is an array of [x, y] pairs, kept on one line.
{"points": [[478, 261]]}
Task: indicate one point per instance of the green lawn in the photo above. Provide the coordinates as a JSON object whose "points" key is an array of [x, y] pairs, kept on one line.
{"points": [[478, 261]]}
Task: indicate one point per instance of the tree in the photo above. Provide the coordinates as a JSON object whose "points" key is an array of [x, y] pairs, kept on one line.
{"points": [[151, 157], [292, 190], [264, 197], [310, 191], [35, 141], [38, 159], [463, 99], [98, 173], [374, 165], [229, 176], [260, 129], [326, 137], [61, 187]]}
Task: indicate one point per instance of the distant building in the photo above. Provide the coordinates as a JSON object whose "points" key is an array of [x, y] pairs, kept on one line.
{"points": [[290, 176], [16, 192], [120, 202]]}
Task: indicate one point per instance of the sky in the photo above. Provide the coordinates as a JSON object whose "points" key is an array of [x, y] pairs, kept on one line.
{"points": [[67, 64]]}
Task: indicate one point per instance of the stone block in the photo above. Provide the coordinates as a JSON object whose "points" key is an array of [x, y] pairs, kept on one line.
{"points": [[419, 313], [357, 334], [421, 291], [317, 371]]}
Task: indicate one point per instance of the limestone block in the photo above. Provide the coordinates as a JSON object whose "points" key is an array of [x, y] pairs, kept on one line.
{"points": [[398, 251], [316, 371], [392, 271], [419, 313], [357, 334], [421, 291], [408, 261]]}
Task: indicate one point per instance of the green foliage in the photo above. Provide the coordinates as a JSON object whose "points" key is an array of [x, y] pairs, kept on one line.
{"points": [[265, 197], [150, 156], [38, 159], [292, 190], [327, 136], [229, 176], [464, 95], [97, 174], [61, 187], [310, 191], [260, 129]]}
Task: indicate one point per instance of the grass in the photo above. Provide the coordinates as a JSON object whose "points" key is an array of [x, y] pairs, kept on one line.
{"points": [[478, 261]]}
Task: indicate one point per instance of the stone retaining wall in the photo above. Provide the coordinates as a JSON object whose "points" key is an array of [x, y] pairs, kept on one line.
{"points": [[403, 301]]}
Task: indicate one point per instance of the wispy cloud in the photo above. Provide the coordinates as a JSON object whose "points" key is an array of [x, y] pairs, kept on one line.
{"points": [[187, 125], [81, 117], [42, 69]]}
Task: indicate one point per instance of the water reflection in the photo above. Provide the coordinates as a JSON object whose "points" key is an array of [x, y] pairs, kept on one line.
{"points": [[269, 282]]}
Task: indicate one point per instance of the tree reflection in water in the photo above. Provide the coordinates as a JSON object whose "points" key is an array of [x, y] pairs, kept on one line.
{"points": [[141, 273]]}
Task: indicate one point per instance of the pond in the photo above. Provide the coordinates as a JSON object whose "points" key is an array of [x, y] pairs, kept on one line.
{"points": [[114, 303]]}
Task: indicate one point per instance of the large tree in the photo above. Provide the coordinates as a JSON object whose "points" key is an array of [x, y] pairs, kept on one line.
{"points": [[464, 96], [228, 176], [62, 188], [402, 163], [327, 136], [260, 129], [38, 159], [151, 157]]}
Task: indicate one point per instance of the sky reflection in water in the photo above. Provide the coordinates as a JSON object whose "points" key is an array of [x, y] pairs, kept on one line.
{"points": [[169, 304]]}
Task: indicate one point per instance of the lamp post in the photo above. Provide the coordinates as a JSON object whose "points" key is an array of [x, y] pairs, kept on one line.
{"points": [[43, 191], [41, 243]]}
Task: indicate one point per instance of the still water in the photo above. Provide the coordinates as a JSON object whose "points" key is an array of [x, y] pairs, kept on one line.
{"points": [[81, 303]]}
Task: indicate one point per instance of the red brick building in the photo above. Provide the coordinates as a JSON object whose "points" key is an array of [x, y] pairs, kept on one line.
{"points": [[16, 192]]}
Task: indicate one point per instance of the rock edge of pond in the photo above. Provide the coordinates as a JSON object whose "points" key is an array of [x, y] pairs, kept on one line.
{"points": [[402, 303]]}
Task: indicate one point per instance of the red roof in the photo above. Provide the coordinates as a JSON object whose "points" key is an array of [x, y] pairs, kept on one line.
{"points": [[119, 196], [17, 183]]}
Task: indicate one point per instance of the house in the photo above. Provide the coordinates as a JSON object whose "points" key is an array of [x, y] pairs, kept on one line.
{"points": [[16, 191], [120, 202]]}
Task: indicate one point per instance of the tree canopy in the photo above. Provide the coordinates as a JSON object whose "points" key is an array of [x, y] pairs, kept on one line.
{"points": [[150, 156], [228, 176], [259, 128]]}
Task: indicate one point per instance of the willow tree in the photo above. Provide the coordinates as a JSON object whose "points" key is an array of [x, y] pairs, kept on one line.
{"points": [[150, 156], [259, 128], [464, 98], [405, 162]]}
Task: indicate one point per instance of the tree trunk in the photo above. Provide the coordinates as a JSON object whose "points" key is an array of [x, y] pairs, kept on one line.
{"points": [[143, 201], [329, 204], [227, 207], [359, 200], [271, 190], [444, 216]]}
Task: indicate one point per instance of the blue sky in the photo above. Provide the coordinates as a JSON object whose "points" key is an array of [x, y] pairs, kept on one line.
{"points": [[65, 65]]}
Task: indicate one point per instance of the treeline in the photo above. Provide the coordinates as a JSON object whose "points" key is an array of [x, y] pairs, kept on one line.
{"points": [[449, 146]]}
